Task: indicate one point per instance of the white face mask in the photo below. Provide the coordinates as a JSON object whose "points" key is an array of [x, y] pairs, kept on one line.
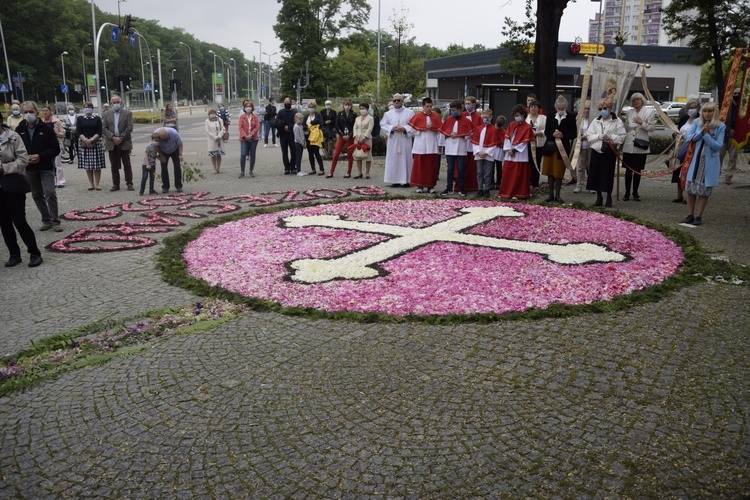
{"points": [[363, 111], [248, 110], [347, 108], [30, 118], [328, 106], [692, 112], [117, 106], [71, 112], [311, 110], [212, 116]]}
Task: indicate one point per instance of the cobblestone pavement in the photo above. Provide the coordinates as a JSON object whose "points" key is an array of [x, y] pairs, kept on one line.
{"points": [[649, 402]]}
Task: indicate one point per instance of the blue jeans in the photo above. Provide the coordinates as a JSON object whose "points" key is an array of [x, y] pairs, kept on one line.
{"points": [[456, 162], [147, 175], [484, 173], [44, 194], [298, 158], [270, 128], [247, 147]]}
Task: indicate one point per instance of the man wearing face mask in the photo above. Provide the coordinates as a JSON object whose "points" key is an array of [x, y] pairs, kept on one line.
{"points": [[285, 128], [398, 159], [14, 117], [729, 149], [41, 143], [270, 120], [117, 127]]}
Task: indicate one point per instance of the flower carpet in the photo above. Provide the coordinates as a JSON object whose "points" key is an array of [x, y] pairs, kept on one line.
{"points": [[431, 257]]}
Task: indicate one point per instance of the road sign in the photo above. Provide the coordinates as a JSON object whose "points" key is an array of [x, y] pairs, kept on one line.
{"points": [[147, 86], [77, 87], [132, 39], [262, 87], [64, 89], [115, 33], [4, 88]]}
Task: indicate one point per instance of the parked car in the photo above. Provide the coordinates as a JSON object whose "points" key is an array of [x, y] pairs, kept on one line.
{"points": [[61, 108], [672, 108], [648, 104]]}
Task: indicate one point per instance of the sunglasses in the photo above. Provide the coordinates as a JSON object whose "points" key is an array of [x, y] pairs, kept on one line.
{"points": [[397, 100]]}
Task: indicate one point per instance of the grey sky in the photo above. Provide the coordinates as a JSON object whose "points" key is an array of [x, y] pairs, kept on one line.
{"points": [[236, 23]]}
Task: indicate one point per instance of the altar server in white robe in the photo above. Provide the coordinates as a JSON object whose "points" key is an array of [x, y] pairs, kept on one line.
{"points": [[398, 159]]}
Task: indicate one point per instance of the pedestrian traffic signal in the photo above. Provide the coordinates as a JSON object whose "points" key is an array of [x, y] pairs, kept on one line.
{"points": [[294, 83], [129, 26]]}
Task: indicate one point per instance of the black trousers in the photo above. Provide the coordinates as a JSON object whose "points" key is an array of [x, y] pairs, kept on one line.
{"points": [[13, 213], [288, 154], [175, 155]]}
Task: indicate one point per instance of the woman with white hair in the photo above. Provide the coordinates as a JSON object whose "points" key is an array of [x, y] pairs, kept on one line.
{"points": [[708, 135], [560, 126], [691, 112], [641, 122]]}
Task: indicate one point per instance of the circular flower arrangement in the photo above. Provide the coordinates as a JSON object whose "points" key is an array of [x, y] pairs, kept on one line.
{"points": [[438, 257]]}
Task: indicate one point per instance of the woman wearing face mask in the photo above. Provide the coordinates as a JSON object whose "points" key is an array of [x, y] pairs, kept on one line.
{"points": [[57, 126], [363, 135], [605, 135], [13, 187], [90, 147], [69, 125], [314, 137], [170, 117], [345, 132], [560, 126], [538, 122], [249, 127], [215, 141], [516, 168], [686, 121], [641, 122], [708, 135], [14, 117]]}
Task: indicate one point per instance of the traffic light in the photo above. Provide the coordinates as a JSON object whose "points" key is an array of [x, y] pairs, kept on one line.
{"points": [[129, 25], [294, 83]]}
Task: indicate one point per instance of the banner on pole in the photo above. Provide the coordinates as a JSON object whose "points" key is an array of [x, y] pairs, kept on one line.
{"points": [[742, 121], [611, 78]]}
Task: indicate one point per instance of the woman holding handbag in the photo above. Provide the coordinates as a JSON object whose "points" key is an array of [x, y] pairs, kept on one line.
{"points": [[13, 189], [363, 126], [215, 139], [641, 122], [249, 127]]}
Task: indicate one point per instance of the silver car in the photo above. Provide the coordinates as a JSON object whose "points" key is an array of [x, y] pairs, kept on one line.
{"points": [[672, 108]]}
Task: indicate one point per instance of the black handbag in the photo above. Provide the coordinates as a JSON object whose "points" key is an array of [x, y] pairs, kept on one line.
{"points": [[550, 147], [640, 143], [14, 183]]}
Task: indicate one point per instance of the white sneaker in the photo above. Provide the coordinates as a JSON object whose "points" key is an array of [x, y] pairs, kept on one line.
{"points": [[276, 145], [432, 191], [577, 190], [265, 145], [419, 190], [301, 174]]}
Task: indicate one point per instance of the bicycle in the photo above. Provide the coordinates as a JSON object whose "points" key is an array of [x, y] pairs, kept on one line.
{"points": [[68, 152], [329, 144]]}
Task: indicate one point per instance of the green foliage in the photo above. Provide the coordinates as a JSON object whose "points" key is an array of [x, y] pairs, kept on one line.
{"points": [[712, 27], [519, 37], [34, 49]]}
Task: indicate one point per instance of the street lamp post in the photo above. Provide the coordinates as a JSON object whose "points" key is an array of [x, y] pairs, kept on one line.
{"points": [[385, 61], [190, 55], [85, 81], [106, 83], [223, 86], [228, 78], [260, 63], [268, 90], [236, 94], [213, 79], [65, 86], [174, 87], [247, 67]]}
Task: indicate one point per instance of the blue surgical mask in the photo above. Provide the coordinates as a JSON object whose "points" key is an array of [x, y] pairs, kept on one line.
{"points": [[117, 106], [519, 119], [16, 112], [692, 113], [455, 113], [487, 121], [87, 111], [469, 107], [604, 113]]}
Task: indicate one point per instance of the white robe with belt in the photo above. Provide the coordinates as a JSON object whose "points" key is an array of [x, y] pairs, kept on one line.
{"points": [[398, 159]]}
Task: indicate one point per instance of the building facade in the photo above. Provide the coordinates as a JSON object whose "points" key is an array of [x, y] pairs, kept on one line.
{"points": [[670, 76], [639, 21]]}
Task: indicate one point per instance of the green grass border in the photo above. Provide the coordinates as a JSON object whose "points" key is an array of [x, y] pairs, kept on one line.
{"points": [[697, 265]]}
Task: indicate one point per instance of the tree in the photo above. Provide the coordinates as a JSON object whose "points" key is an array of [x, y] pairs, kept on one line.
{"points": [[712, 28], [309, 30], [548, 16], [519, 37]]}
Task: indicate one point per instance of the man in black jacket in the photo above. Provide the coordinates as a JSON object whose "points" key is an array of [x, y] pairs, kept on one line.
{"points": [[270, 122], [42, 145], [285, 127]]}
